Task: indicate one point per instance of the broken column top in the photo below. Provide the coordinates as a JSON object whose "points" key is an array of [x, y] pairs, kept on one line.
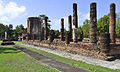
{"points": [[93, 3], [112, 4], [33, 18], [74, 4], [112, 7]]}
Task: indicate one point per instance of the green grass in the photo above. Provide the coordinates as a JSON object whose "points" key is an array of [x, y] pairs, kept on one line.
{"points": [[17, 41], [12, 60], [82, 65]]}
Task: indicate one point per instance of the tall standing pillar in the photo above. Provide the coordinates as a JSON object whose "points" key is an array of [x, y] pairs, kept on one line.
{"points": [[62, 29], [75, 22], [112, 24], [70, 26], [45, 28], [93, 23]]}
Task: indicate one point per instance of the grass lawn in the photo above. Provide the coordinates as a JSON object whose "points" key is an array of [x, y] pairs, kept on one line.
{"points": [[79, 64], [12, 60]]}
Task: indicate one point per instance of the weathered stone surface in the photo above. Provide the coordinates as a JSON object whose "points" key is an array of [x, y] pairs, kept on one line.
{"points": [[75, 35], [62, 29], [45, 29], [112, 24], [34, 26], [70, 26], [105, 43], [52, 35], [93, 23], [67, 37], [75, 22]]}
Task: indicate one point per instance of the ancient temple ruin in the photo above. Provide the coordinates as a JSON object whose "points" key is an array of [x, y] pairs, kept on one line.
{"points": [[103, 48], [34, 28]]}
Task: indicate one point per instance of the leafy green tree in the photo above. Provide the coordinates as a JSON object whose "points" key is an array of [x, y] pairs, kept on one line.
{"points": [[79, 30], [118, 28], [10, 31], [18, 31], [103, 25], [2, 28], [85, 28]]}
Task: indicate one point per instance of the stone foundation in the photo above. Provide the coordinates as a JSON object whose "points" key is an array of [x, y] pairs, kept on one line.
{"points": [[80, 48]]}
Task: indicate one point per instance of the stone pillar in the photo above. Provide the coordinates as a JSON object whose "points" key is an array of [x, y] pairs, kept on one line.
{"points": [[70, 26], [112, 24], [5, 35], [28, 26], [52, 35], [33, 35], [45, 28], [93, 23], [62, 29], [75, 22], [40, 31], [67, 37], [104, 43], [34, 27]]}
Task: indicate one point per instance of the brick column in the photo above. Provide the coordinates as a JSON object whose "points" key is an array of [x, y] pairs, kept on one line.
{"points": [[62, 29], [105, 43], [70, 26], [75, 22], [112, 24], [45, 28], [93, 23], [67, 37]]}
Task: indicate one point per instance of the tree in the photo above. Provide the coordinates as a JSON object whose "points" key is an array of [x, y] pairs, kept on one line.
{"points": [[118, 28], [18, 31], [86, 28], [10, 31], [2, 30], [10, 27], [103, 25]]}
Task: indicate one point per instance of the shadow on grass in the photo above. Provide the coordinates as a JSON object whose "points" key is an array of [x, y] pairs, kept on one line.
{"points": [[8, 50]]}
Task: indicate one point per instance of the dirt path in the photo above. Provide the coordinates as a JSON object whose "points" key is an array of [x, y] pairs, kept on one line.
{"points": [[51, 62]]}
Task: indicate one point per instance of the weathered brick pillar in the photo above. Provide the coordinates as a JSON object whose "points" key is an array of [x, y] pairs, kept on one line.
{"points": [[75, 22], [52, 35], [28, 28], [70, 26], [93, 23], [67, 37], [45, 28], [62, 29], [40, 31], [112, 24], [33, 37], [104, 43]]}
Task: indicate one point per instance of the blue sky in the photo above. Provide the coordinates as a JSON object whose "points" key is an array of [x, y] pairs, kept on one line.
{"points": [[17, 11]]}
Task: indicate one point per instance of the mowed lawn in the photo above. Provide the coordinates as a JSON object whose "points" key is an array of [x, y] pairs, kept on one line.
{"points": [[12, 60], [80, 64]]}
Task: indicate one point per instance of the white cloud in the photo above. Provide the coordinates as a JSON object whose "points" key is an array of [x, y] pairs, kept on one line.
{"points": [[81, 18], [10, 11]]}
